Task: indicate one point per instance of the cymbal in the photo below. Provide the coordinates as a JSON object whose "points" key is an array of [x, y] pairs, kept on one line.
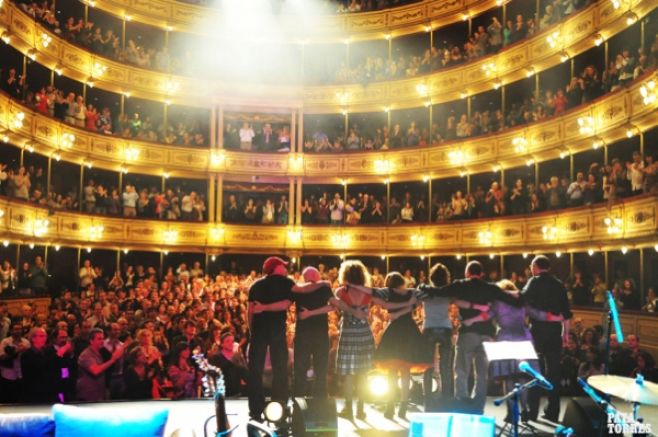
{"points": [[629, 389]]}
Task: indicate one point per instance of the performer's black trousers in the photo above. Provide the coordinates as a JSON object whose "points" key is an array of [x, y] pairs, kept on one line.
{"points": [[316, 344], [547, 339], [260, 340]]}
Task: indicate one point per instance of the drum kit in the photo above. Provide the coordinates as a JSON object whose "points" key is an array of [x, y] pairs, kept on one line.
{"points": [[636, 390]]}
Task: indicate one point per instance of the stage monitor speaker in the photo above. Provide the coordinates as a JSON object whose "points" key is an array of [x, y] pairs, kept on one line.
{"points": [[585, 417], [450, 425], [314, 417]]}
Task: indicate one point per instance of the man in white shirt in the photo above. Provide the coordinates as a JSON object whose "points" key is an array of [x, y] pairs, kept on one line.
{"points": [[635, 173], [187, 205], [130, 197], [246, 136], [576, 190], [87, 274]]}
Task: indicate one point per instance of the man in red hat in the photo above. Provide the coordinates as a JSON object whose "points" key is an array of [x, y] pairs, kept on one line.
{"points": [[269, 299]]}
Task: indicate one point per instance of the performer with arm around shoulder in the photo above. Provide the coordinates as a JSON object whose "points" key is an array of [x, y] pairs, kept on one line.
{"points": [[545, 292], [269, 299]]}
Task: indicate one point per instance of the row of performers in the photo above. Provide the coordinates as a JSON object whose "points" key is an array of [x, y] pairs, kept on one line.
{"points": [[403, 347]]}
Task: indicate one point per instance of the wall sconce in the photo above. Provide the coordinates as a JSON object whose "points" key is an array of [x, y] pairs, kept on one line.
{"points": [[46, 40], [614, 225], [554, 39], [383, 165], [217, 158], [485, 238], [170, 236], [631, 18], [171, 87], [217, 233], [489, 69], [520, 145], [586, 125], [457, 157], [17, 120], [550, 232], [96, 232], [417, 240], [294, 236], [649, 93], [40, 227], [98, 69], [598, 39], [296, 162], [340, 240], [67, 140]]}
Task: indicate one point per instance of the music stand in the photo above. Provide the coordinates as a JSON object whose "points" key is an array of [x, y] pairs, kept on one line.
{"points": [[519, 351]]}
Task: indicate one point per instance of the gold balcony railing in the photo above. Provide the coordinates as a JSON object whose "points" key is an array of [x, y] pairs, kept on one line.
{"points": [[577, 229], [576, 34], [177, 16], [612, 117]]}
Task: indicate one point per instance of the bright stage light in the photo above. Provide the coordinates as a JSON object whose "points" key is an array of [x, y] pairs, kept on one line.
{"points": [[274, 412], [378, 385]]}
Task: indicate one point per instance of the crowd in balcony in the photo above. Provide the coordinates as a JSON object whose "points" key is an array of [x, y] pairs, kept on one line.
{"points": [[583, 88], [267, 210], [331, 6], [102, 116], [29, 184], [599, 183], [486, 39], [261, 137], [71, 108], [595, 184], [147, 324]]}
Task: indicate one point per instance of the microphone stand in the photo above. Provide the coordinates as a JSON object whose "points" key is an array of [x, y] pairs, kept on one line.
{"points": [[515, 394], [606, 362], [613, 316]]}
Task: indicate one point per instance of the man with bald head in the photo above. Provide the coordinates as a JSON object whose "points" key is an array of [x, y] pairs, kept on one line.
{"points": [[40, 370], [312, 334]]}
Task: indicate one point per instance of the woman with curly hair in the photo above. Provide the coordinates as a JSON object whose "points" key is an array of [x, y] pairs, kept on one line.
{"points": [[356, 344]]}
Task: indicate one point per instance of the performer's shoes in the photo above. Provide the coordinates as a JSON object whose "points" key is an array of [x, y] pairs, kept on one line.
{"points": [[525, 416], [360, 414], [402, 412], [550, 417], [347, 412], [390, 410]]}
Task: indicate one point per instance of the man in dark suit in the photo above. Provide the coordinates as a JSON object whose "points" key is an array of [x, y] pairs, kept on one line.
{"points": [[267, 139], [470, 351], [547, 293]]}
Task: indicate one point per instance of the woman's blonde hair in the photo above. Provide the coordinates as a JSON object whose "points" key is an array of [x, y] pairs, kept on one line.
{"points": [[508, 286], [353, 272]]}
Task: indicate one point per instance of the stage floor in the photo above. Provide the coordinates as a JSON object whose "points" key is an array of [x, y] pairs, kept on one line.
{"points": [[188, 417]]}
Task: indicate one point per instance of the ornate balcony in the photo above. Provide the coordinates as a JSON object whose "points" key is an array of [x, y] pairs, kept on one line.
{"points": [[576, 229], [577, 34], [612, 116]]}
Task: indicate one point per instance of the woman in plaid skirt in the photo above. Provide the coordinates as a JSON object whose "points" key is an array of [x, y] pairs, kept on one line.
{"points": [[356, 345]]}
